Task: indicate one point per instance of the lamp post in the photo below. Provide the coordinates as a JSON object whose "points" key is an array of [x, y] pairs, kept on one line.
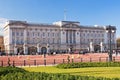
{"points": [[44, 53], [110, 29]]}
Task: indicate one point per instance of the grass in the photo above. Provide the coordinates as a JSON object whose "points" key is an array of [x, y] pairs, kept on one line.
{"points": [[109, 72]]}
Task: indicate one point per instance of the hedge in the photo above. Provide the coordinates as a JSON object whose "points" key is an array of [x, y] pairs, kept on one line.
{"points": [[20, 74], [88, 64], [6, 70], [46, 76]]}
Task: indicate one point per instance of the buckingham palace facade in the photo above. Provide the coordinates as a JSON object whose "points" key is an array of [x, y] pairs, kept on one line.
{"points": [[62, 36]]}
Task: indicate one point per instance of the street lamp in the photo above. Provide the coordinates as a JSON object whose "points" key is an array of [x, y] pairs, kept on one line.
{"points": [[110, 29]]}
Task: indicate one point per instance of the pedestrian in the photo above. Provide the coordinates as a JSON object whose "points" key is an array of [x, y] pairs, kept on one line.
{"points": [[68, 58]]}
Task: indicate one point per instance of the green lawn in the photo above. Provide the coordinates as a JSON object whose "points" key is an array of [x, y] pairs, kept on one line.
{"points": [[109, 72]]}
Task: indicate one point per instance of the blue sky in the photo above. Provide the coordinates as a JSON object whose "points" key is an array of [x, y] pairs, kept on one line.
{"points": [[87, 12]]}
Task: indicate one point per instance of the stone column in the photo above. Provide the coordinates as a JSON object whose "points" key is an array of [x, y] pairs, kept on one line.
{"points": [[106, 40], [25, 42], [25, 49], [15, 45], [114, 40], [74, 36], [101, 46], [38, 48], [15, 49], [71, 36], [25, 36], [88, 49], [9, 41], [10, 36], [66, 36], [8, 50], [91, 47], [48, 48]]}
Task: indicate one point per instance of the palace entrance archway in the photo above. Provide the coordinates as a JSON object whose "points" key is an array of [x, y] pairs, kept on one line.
{"points": [[20, 50], [43, 50], [97, 48], [32, 50]]}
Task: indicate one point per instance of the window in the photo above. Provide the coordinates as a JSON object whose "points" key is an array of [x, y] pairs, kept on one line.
{"points": [[17, 33], [40, 29], [91, 35], [43, 34], [83, 34], [57, 34], [13, 33], [88, 35], [21, 33], [53, 40], [88, 40], [48, 40], [38, 33], [99, 40], [44, 41], [80, 35], [30, 29], [98, 35], [17, 40], [33, 33], [28, 40], [84, 40], [36, 29], [95, 40], [27, 33], [33, 40], [53, 34], [48, 34], [91, 40], [21, 41], [102, 35], [55, 29], [13, 40], [102, 40], [58, 40]]}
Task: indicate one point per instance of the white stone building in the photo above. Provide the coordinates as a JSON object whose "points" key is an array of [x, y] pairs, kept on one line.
{"points": [[62, 36]]}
